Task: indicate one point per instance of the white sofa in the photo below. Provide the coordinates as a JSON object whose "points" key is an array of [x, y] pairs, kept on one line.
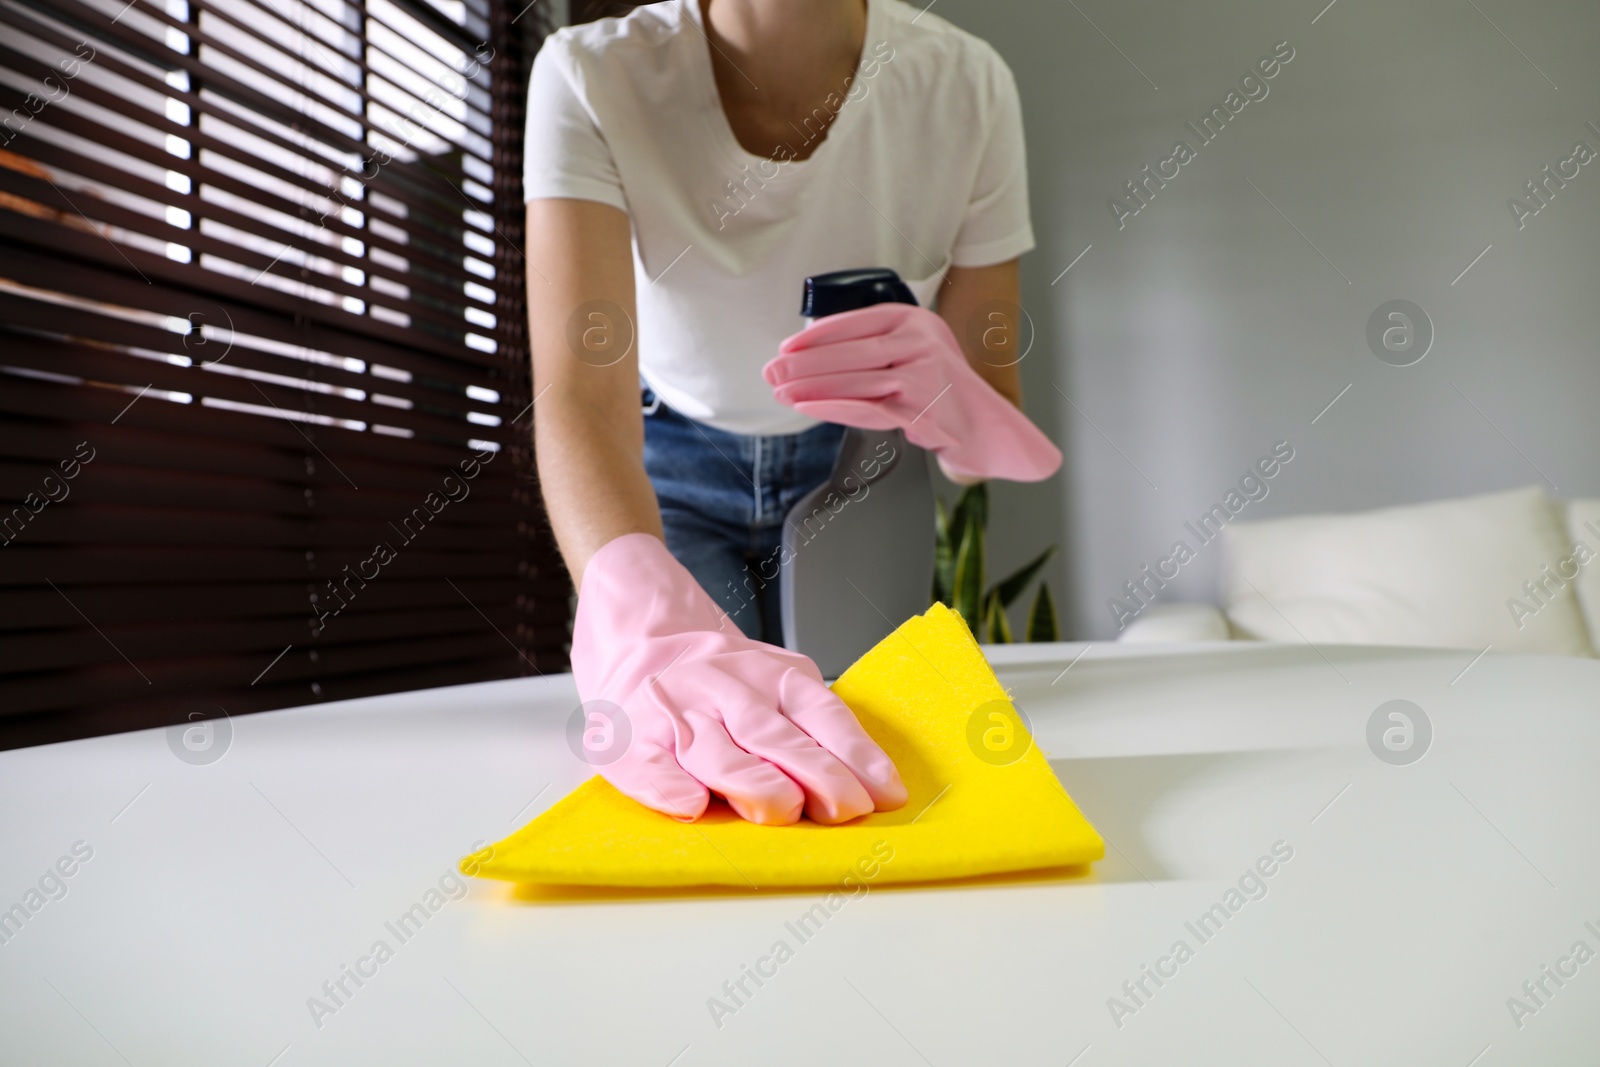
{"points": [[1511, 570]]}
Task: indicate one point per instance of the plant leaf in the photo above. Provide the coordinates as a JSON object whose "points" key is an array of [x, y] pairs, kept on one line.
{"points": [[972, 507], [944, 556], [1013, 586], [971, 510], [967, 590], [971, 502], [999, 625], [1042, 625]]}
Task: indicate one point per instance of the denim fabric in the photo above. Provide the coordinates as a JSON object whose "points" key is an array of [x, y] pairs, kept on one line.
{"points": [[723, 500]]}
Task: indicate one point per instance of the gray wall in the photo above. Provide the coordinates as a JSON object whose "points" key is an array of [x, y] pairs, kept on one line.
{"points": [[1207, 328]]}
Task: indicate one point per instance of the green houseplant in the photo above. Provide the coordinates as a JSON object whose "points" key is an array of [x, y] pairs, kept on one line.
{"points": [[958, 575]]}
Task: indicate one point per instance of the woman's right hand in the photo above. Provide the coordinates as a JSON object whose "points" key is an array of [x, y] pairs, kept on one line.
{"points": [[706, 709]]}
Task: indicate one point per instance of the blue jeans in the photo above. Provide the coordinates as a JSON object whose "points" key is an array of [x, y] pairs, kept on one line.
{"points": [[724, 497]]}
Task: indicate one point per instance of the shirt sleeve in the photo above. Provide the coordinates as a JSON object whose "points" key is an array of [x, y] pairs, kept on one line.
{"points": [[565, 155], [996, 227]]}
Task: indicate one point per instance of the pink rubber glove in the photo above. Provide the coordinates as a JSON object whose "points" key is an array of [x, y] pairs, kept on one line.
{"points": [[710, 710], [898, 366]]}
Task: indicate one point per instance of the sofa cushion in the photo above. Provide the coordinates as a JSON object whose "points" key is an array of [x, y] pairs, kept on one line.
{"points": [[1583, 536], [1176, 623], [1450, 573]]}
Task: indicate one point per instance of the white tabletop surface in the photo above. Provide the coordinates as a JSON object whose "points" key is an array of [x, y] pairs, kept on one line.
{"points": [[1419, 898]]}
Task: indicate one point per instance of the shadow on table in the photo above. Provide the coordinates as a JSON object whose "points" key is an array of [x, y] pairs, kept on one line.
{"points": [[1200, 658], [577, 894], [1118, 794]]}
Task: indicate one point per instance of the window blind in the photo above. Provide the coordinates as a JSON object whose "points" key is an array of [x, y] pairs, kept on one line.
{"points": [[264, 394]]}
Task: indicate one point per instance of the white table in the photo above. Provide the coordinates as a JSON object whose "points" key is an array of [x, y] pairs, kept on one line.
{"points": [[1419, 898]]}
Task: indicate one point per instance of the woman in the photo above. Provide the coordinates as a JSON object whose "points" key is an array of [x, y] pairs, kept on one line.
{"points": [[687, 166]]}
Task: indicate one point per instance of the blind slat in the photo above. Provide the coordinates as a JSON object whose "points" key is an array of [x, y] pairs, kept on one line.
{"points": [[147, 267], [86, 524], [110, 296], [23, 565], [421, 265], [55, 689], [47, 443], [41, 608], [326, 450], [217, 356], [225, 380], [105, 484], [326, 269], [54, 650]]}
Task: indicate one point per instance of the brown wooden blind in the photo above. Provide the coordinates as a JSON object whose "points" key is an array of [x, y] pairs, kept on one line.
{"points": [[264, 392]]}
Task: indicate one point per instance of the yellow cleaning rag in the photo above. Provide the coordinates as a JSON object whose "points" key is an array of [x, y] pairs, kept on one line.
{"points": [[983, 798]]}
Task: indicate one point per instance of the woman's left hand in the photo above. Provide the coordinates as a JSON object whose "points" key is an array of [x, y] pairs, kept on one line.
{"points": [[898, 366]]}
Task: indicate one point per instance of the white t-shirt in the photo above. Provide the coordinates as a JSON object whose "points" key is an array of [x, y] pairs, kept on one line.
{"points": [[922, 168]]}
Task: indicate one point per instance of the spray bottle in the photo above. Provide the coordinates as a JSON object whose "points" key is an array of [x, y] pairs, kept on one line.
{"points": [[857, 557]]}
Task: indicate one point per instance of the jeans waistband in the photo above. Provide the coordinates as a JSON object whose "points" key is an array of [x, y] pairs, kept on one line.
{"points": [[743, 479]]}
